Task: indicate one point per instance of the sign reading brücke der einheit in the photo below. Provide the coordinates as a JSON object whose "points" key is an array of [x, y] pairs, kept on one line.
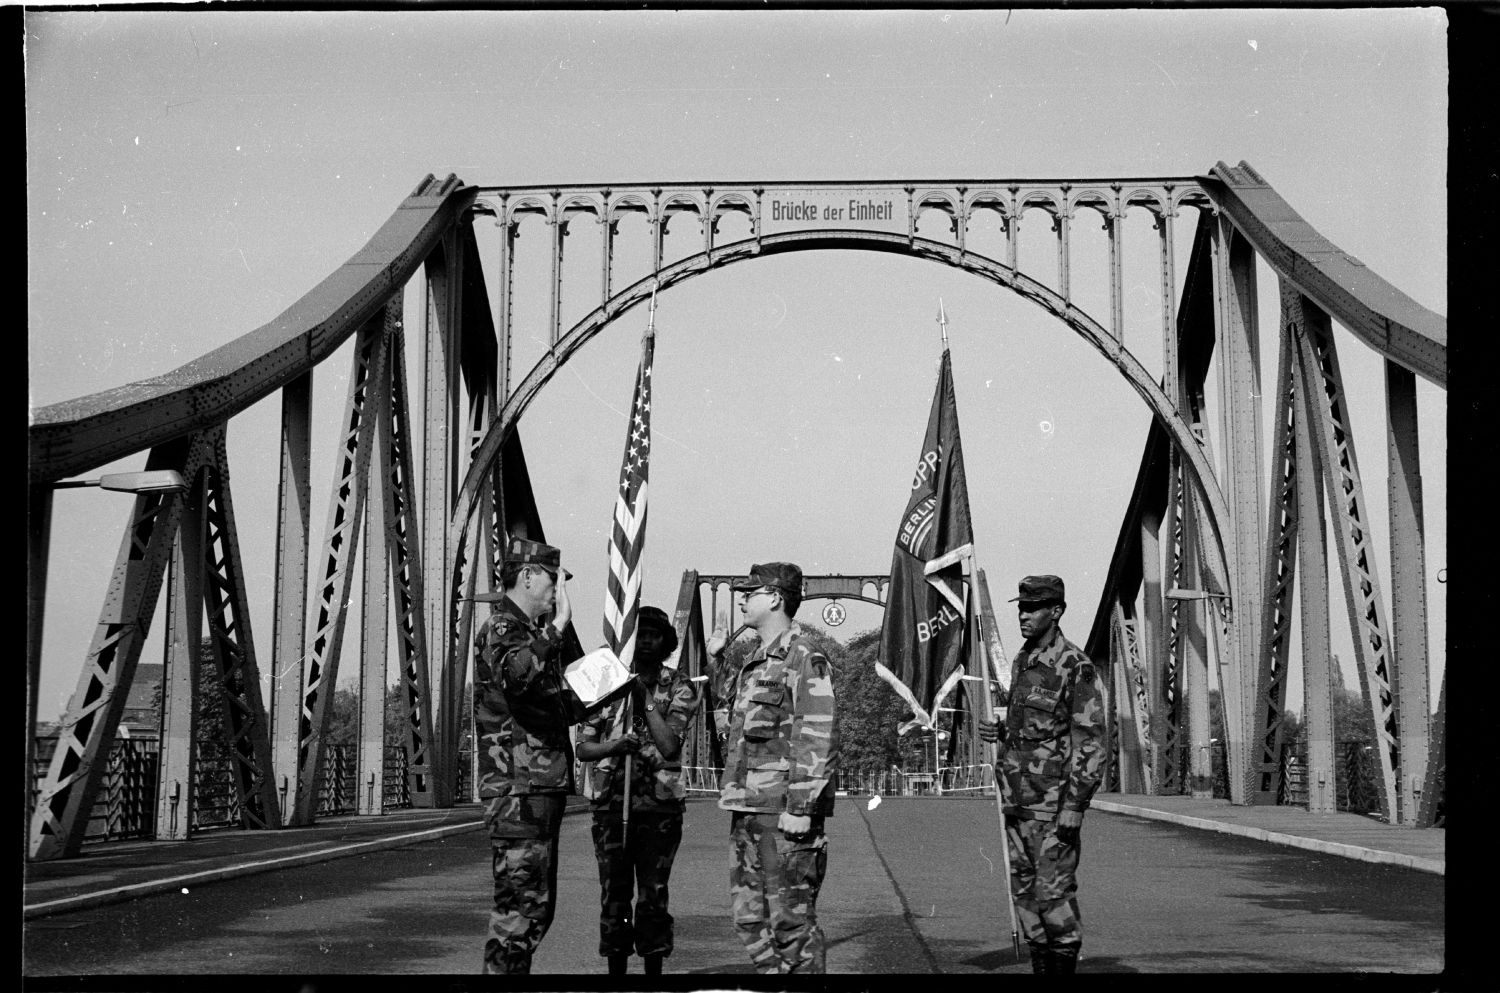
{"points": [[877, 209]]}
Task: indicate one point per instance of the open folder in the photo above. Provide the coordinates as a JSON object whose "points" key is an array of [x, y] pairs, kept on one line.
{"points": [[597, 676]]}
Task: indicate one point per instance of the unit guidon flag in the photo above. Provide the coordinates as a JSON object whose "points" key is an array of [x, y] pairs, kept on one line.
{"points": [[922, 639]]}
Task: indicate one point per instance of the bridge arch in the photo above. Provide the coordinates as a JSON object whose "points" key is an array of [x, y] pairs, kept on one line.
{"points": [[1135, 373]]}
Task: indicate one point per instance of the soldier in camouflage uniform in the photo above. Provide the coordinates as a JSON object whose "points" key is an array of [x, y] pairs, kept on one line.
{"points": [[521, 715], [1051, 762], [778, 776], [663, 705]]}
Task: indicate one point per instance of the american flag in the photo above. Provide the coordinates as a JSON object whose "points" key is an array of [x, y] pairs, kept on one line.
{"points": [[628, 535]]}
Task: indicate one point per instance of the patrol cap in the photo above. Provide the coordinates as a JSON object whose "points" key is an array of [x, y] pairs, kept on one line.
{"points": [[528, 552], [778, 575], [1041, 589]]}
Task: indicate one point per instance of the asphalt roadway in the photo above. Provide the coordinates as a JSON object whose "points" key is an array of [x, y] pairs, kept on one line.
{"points": [[914, 886]]}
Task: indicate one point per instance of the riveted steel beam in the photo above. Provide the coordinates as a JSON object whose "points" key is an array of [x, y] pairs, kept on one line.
{"points": [[1239, 389], [1377, 313], [440, 438], [403, 548], [1280, 559], [375, 593], [1408, 583], [1334, 437], [1312, 568], [336, 576], [177, 758], [293, 539], [76, 771], [227, 608], [77, 435]]}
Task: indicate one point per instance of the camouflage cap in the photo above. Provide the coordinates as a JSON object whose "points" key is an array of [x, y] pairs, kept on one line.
{"points": [[528, 552], [1041, 589], [524, 551], [778, 575]]}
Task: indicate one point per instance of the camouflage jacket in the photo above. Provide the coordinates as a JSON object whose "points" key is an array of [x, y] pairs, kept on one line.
{"points": [[1053, 757], [655, 782], [521, 713], [783, 742]]}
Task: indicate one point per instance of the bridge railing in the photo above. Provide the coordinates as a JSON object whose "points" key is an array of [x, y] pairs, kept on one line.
{"points": [[126, 806]]}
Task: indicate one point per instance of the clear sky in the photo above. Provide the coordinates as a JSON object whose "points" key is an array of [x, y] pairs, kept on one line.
{"points": [[190, 174]]}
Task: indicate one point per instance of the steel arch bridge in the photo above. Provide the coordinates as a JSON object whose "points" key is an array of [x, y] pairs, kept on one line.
{"points": [[1202, 573]]}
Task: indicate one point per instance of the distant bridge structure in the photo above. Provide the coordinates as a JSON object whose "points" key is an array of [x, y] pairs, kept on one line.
{"points": [[1202, 574]]}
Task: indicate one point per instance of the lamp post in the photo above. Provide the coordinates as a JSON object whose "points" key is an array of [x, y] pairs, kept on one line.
{"points": [[38, 535]]}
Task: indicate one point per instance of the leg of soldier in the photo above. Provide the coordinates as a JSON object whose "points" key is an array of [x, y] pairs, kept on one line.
{"points": [[653, 850], [525, 874], [794, 903], [615, 933], [748, 886], [1023, 840], [1056, 895]]}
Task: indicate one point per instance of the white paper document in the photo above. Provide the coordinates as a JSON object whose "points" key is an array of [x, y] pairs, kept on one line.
{"points": [[596, 675]]}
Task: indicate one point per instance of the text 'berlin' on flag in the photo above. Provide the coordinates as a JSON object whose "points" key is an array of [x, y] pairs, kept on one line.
{"points": [[922, 639], [628, 535]]}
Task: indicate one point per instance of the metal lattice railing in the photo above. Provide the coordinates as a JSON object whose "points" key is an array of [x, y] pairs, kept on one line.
{"points": [[127, 804]]}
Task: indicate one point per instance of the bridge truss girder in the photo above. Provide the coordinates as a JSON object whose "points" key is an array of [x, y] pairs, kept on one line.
{"points": [[1218, 539]]}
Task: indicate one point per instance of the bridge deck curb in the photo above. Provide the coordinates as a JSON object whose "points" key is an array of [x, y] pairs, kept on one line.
{"points": [[119, 894], [1340, 849]]}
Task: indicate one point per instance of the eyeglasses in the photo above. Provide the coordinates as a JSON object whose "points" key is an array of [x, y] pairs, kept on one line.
{"points": [[747, 594]]}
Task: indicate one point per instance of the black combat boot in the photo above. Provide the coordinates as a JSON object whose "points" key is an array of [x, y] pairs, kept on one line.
{"points": [[1065, 960], [653, 964], [618, 963], [1041, 961]]}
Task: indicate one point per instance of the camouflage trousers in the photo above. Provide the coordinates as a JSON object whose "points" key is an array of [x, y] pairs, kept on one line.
{"points": [[773, 890], [645, 864], [1043, 880], [523, 833]]}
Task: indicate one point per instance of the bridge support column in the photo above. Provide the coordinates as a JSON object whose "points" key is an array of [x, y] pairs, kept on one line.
{"points": [[369, 768], [440, 462], [1333, 434], [1408, 585], [1194, 663], [38, 538], [1312, 565], [1239, 388], [1153, 650], [183, 659], [289, 623]]}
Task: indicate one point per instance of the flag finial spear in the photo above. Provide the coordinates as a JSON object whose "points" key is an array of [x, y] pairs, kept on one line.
{"points": [[943, 320], [651, 318]]}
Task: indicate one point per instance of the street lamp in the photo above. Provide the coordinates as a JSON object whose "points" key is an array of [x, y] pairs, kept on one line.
{"points": [[150, 481], [1180, 594]]}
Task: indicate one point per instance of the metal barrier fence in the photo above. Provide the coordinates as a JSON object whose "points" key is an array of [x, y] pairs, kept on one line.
{"points": [[964, 780], [126, 806]]}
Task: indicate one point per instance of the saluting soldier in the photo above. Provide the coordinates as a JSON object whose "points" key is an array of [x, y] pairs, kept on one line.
{"points": [[779, 762], [1051, 762], [521, 717]]}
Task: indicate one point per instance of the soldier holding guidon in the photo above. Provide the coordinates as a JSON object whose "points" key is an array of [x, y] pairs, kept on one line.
{"points": [[778, 775], [1051, 762], [665, 702]]}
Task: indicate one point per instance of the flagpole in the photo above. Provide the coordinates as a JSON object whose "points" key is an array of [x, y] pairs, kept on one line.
{"points": [[629, 717], [989, 716]]}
